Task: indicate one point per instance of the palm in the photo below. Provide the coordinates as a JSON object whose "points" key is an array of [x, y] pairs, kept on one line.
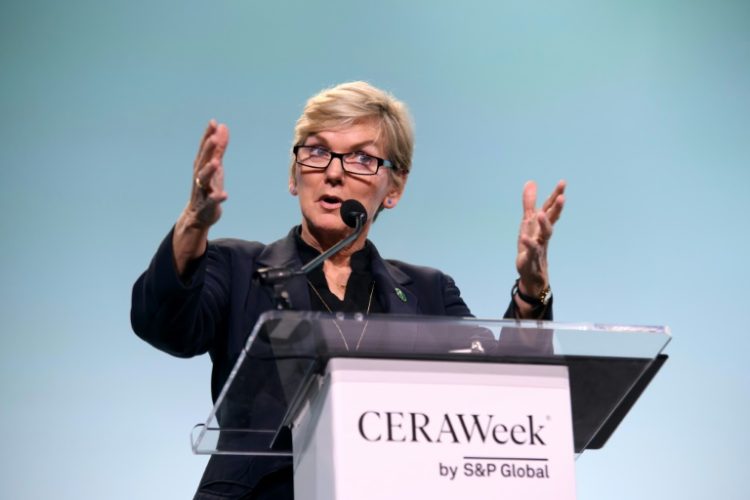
{"points": [[534, 235]]}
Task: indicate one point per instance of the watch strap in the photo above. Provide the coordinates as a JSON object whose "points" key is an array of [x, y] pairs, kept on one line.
{"points": [[542, 300]]}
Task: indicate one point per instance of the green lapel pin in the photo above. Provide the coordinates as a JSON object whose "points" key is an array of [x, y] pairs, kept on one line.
{"points": [[401, 295]]}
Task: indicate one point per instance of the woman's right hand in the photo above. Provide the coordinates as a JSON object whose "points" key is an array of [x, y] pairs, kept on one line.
{"points": [[207, 194], [208, 176]]}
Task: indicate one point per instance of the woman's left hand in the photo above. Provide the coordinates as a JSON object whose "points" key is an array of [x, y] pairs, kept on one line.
{"points": [[534, 236]]}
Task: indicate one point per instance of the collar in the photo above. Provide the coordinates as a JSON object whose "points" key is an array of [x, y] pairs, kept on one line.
{"points": [[389, 279], [360, 260]]}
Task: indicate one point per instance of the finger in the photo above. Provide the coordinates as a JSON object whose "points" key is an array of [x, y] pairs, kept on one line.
{"points": [[528, 243], [530, 224], [205, 155], [210, 182], [553, 214], [217, 180], [528, 227], [213, 147], [209, 130], [200, 157], [221, 140], [529, 199], [545, 227], [203, 178], [559, 190]]}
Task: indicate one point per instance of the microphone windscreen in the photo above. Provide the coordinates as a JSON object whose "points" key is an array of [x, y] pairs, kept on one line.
{"points": [[351, 210]]}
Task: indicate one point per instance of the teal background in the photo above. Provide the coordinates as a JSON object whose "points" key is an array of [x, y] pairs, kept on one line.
{"points": [[644, 107]]}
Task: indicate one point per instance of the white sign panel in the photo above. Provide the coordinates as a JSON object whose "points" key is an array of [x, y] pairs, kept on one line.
{"points": [[426, 429]]}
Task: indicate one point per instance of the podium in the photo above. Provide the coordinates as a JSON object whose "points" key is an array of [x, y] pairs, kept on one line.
{"points": [[386, 406]]}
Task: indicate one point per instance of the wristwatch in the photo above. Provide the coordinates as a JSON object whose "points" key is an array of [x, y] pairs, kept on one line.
{"points": [[541, 300]]}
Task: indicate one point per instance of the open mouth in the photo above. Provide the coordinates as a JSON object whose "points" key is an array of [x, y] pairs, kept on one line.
{"points": [[332, 202]]}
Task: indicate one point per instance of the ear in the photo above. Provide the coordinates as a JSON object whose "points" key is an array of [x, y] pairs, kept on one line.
{"points": [[394, 194], [292, 185]]}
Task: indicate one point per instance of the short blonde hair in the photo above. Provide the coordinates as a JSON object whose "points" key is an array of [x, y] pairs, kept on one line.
{"points": [[349, 103]]}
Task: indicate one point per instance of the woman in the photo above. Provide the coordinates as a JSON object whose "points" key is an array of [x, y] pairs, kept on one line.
{"points": [[353, 141]]}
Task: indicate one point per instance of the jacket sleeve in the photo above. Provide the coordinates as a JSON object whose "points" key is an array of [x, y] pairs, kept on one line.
{"points": [[181, 316], [452, 302]]}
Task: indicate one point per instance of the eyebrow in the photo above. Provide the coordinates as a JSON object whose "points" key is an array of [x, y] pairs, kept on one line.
{"points": [[353, 147]]}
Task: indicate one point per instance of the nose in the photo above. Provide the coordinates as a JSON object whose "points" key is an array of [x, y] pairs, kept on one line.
{"points": [[335, 171]]}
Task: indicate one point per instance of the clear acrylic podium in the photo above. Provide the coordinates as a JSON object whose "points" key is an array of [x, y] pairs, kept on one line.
{"points": [[290, 360]]}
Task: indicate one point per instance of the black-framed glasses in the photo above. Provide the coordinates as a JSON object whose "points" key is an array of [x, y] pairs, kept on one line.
{"points": [[357, 163]]}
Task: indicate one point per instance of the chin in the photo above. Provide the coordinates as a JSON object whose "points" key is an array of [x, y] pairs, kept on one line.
{"points": [[327, 223], [334, 228]]}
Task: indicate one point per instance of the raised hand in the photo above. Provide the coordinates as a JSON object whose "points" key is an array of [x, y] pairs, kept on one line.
{"points": [[208, 176], [190, 235], [534, 236]]}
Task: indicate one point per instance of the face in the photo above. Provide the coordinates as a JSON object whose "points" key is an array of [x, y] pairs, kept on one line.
{"points": [[321, 192]]}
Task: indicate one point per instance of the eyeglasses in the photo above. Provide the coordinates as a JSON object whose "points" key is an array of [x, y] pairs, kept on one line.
{"points": [[358, 163]]}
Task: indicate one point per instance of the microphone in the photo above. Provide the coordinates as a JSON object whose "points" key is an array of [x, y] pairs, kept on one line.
{"points": [[351, 210]]}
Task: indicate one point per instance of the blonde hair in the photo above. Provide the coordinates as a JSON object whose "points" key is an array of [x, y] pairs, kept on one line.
{"points": [[353, 102]]}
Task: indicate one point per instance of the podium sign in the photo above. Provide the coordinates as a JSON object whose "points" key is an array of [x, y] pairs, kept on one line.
{"points": [[411, 429]]}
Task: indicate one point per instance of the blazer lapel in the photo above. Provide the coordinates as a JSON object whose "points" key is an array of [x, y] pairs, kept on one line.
{"points": [[396, 297], [393, 287]]}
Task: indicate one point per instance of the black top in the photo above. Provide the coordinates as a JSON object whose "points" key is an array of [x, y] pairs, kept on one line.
{"points": [[359, 288]]}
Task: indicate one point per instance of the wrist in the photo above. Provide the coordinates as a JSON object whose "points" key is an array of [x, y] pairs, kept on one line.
{"points": [[190, 221], [532, 287], [189, 240], [541, 295]]}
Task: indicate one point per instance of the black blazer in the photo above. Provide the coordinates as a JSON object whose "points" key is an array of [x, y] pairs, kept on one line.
{"points": [[216, 308]]}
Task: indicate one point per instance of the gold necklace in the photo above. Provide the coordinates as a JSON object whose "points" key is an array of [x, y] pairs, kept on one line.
{"points": [[335, 323]]}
